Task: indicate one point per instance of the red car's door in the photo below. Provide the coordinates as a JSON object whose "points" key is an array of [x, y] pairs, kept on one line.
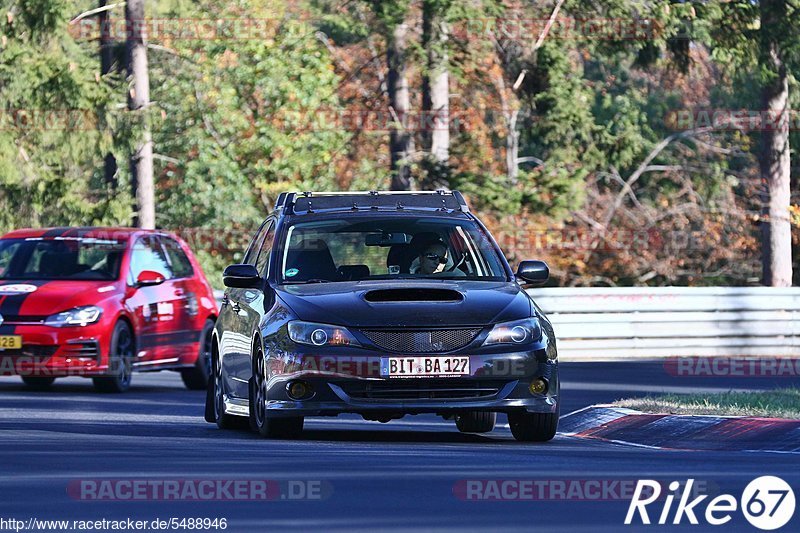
{"points": [[187, 293], [156, 307]]}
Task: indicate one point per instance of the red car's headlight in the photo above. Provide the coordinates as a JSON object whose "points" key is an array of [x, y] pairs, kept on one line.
{"points": [[79, 316]]}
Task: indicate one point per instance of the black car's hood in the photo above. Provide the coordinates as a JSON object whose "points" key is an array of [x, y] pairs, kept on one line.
{"points": [[379, 303]]}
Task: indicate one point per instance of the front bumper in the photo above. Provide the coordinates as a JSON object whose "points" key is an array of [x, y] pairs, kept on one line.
{"points": [[498, 382], [514, 397], [57, 352]]}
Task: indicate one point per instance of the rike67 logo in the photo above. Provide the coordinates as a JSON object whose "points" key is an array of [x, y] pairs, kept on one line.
{"points": [[767, 502]]}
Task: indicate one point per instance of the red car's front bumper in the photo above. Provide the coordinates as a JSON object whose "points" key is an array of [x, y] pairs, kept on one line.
{"points": [[54, 351]]}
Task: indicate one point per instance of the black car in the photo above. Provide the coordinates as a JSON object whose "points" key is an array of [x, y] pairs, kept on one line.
{"points": [[381, 304]]}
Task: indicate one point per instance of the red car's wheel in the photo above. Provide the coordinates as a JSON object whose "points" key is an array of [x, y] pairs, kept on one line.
{"points": [[120, 361], [196, 377]]}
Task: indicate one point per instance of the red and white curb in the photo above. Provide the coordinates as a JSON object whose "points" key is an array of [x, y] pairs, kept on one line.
{"points": [[683, 432]]}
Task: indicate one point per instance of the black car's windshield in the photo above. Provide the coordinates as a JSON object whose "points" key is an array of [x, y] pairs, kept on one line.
{"points": [[383, 248], [63, 258]]}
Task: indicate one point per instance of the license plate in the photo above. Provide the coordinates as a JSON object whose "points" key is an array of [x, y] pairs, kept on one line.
{"points": [[421, 367], [10, 342]]}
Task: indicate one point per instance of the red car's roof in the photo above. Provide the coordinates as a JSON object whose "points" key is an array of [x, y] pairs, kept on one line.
{"points": [[97, 232]]}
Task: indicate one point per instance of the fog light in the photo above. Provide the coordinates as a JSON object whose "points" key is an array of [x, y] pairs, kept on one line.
{"points": [[298, 390], [538, 386]]}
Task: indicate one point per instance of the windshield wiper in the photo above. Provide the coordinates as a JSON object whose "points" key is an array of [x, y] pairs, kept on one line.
{"points": [[312, 280]]}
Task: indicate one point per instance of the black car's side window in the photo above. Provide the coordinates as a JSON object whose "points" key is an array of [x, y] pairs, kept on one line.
{"points": [[255, 246], [180, 264], [147, 254], [266, 249]]}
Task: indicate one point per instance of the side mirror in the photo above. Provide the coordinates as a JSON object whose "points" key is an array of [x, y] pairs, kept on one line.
{"points": [[534, 273], [241, 277], [148, 278]]}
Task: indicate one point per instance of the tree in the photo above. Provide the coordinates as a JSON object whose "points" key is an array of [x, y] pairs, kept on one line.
{"points": [[774, 151], [401, 141], [760, 41], [436, 81], [139, 102], [107, 66]]}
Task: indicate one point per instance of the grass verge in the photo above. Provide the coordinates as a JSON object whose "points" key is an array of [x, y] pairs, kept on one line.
{"points": [[779, 403]]}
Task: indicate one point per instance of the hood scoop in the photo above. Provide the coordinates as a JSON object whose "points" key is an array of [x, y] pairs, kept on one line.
{"points": [[413, 295]]}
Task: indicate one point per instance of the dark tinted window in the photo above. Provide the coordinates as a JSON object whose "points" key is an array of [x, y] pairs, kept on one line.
{"points": [[148, 255], [7, 251], [181, 266], [266, 248], [255, 245], [75, 258]]}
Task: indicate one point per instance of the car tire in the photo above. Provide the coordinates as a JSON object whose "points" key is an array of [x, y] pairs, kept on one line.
{"points": [[215, 401], [197, 377], [38, 383], [120, 361], [476, 421], [533, 427], [271, 428]]}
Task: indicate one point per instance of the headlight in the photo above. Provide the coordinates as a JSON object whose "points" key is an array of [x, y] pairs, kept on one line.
{"points": [[517, 332], [320, 334], [80, 316]]}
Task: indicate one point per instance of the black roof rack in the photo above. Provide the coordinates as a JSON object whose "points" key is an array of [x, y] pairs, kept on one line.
{"points": [[279, 203], [323, 202]]}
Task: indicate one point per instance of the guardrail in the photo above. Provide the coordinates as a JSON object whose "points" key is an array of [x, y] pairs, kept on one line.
{"points": [[672, 321], [602, 323]]}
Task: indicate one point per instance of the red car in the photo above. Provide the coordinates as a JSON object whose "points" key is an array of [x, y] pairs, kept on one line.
{"points": [[100, 303]]}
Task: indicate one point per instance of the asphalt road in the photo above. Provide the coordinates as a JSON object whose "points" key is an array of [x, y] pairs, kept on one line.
{"points": [[415, 473]]}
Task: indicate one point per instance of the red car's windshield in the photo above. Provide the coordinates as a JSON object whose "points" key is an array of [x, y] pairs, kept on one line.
{"points": [[64, 258]]}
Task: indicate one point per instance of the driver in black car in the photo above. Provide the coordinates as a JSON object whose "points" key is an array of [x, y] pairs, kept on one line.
{"points": [[433, 260]]}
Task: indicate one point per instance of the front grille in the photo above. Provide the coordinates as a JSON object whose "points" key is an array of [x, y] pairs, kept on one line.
{"points": [[421, 389], [421, 341], [23, 319], [31, 350]]}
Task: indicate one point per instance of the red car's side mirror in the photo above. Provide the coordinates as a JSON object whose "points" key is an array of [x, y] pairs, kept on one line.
{"points": [[148, 278]]}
